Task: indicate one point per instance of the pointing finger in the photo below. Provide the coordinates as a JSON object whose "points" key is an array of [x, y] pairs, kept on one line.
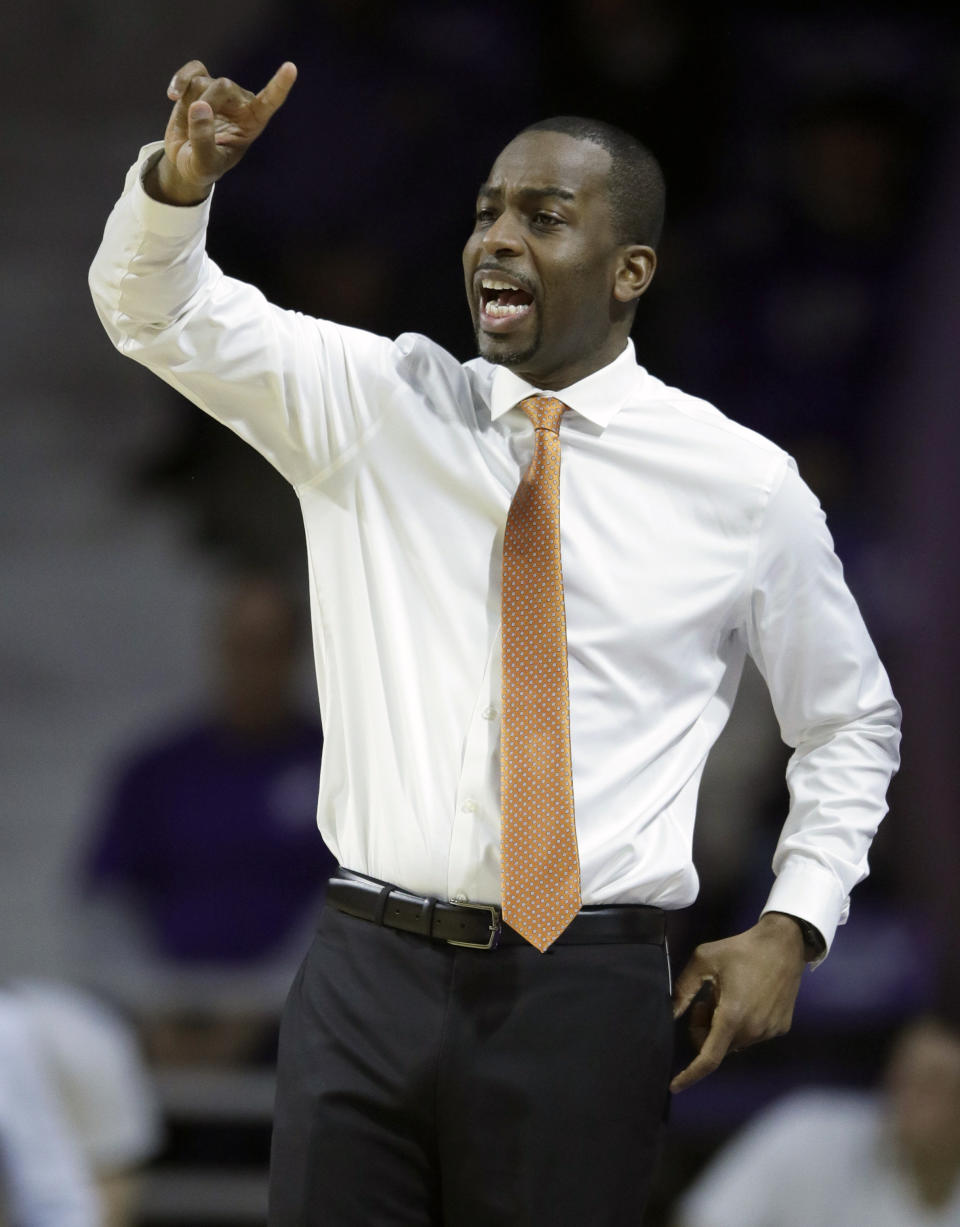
{"points": [[274, 93], [689, 984]]}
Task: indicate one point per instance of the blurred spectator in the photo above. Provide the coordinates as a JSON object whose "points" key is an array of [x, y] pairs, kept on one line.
{"points": [[848, 1158], [100, 1080], [210, 848], [44, 1181]]}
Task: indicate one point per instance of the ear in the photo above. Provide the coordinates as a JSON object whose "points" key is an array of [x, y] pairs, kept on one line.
{"points": [[634, 272]]}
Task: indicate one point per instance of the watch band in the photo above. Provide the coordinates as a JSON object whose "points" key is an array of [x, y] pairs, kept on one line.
{"points": [[814, 944]]}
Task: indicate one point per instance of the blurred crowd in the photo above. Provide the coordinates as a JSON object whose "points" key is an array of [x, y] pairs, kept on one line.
{"points": [[807, 286]]}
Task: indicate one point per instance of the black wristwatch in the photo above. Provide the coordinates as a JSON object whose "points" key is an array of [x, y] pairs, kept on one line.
{"points": [[813, 943]]}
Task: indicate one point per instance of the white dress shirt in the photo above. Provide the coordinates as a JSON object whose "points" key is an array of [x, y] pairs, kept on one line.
{"points": [[687, 541]]}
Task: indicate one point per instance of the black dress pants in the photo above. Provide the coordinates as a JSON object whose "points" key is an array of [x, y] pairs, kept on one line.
{"points": [[425, 1085]]}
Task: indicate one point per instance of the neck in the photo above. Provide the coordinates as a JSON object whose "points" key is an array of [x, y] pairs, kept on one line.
{"points": [[557, 378]]}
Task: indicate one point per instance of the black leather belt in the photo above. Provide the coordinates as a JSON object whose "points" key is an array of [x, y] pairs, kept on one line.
{"points": [[480, 926]]}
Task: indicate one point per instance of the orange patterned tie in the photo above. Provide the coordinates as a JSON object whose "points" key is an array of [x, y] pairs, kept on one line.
{"points": [[540, 865]]}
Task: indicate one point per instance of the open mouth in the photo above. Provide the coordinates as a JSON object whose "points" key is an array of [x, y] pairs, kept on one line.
{"points": [[503, 300]]}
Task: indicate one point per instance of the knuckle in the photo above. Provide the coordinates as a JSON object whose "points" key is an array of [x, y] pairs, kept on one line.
{"points": [[196, 85], [190, 70]]}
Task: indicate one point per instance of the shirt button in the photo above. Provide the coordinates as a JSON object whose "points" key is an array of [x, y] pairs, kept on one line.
{"points": [[469, 806], [489, 713]]}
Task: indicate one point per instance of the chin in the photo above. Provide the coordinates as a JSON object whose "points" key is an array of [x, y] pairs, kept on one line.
{"points": [[502, 353]]}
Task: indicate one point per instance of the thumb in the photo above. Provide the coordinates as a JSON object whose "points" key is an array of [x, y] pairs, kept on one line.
{"points": [[687, 985], [201, 132]]}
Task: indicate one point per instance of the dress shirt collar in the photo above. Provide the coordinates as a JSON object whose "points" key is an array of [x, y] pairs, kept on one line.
{"points": [[598, 397]]}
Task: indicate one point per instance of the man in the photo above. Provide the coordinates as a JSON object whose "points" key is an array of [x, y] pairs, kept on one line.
{"points": [[472, 699]]}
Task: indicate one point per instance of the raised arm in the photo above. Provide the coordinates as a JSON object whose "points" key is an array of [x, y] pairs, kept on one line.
{"points": [[301, 391]]}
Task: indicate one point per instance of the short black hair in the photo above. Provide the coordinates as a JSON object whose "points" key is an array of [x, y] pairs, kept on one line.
{"points": [[636, 187]]}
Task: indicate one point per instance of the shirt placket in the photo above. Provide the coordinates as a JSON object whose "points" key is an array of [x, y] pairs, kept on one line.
{"points": [[473, 868]]}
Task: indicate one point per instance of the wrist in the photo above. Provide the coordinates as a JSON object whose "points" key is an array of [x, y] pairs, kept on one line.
{"points": [[164, 183], [814, 945]]}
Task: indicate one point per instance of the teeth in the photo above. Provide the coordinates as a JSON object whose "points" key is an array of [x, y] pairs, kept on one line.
{"points": [[499, 310], [490, 283]]}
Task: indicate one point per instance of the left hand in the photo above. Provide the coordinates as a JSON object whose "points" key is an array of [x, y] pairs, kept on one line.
{"points": [[753, 981]]}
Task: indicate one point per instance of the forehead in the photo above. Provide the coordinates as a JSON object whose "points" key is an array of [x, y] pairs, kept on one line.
{"points": [[552, 159]]}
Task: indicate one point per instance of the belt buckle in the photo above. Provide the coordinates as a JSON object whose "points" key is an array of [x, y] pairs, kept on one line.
{"points": [[495, 924]]}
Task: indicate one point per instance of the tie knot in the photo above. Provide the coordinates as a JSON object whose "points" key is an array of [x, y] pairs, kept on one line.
{"points": [[544, 412]]}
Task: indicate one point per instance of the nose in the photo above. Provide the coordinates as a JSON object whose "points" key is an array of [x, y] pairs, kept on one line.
{"points": [[502, 238]]}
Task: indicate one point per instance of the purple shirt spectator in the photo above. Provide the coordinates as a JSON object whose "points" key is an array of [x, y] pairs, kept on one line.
{"points": [[212, 836]]}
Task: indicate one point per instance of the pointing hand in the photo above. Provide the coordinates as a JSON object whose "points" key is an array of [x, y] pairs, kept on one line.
{"points": [[213, 123]]}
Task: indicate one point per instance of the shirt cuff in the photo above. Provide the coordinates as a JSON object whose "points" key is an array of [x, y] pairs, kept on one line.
{"points": [[169, 221], [808, 890]]}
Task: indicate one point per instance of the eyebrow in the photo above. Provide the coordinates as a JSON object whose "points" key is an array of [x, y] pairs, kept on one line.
{"points": [[538, 193]]}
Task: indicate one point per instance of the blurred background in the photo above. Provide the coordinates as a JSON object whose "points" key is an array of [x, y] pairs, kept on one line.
{"points": [[159, 867]]}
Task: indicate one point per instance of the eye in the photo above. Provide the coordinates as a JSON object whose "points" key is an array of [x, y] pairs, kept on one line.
{"points": [[484, 215], [546, 220]]}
